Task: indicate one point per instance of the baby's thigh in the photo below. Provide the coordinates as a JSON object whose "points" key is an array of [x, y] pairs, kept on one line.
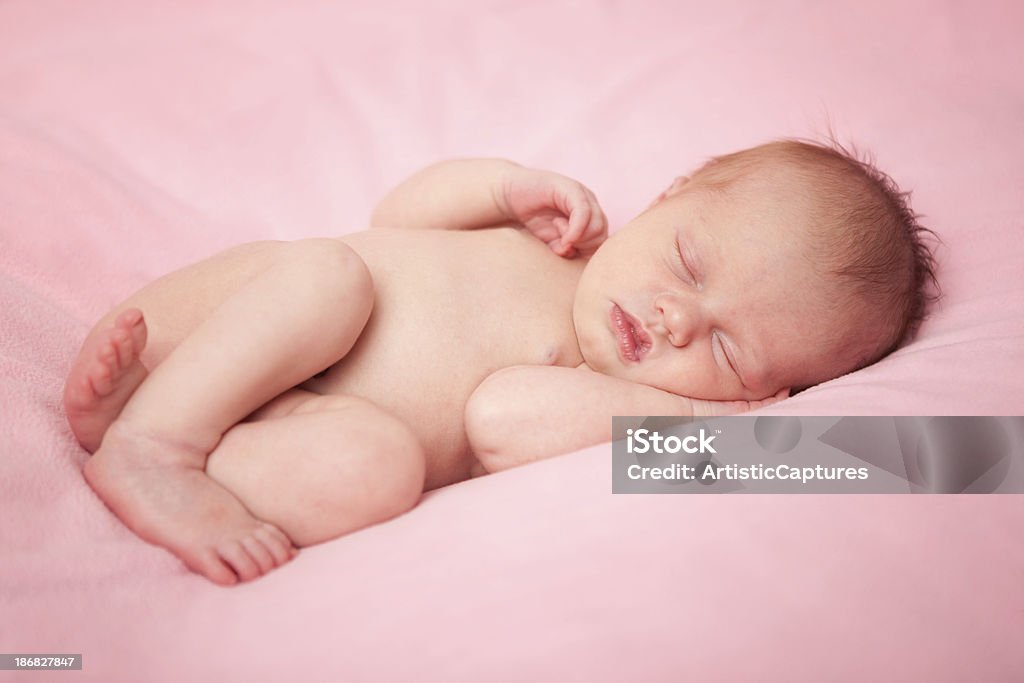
{"points": [[175, 304], [319, 466]]}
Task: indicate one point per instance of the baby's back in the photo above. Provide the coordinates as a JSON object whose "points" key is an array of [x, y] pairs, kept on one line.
{"points": [[450, 308]]}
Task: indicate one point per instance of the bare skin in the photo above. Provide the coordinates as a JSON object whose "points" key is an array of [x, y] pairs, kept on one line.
{"points": [[187, 469], [107, 373], [181, 429], [105, 376], [279, 394], [161, 492]]}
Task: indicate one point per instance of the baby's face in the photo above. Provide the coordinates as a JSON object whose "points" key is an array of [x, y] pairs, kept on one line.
{"points": [[709, 299]]}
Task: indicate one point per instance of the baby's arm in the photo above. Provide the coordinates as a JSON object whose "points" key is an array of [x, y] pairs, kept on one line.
{"points": [[460, 194], [464, 194], [530, 412]]}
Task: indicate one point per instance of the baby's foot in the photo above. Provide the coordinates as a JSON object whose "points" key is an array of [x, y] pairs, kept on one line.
{"points": [[103, 378], [163, 497]]}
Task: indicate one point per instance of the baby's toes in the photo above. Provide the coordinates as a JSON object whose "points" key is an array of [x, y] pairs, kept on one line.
{"points": [[281, 536], [276, 542], [259, 553], [210, 564], [132, 323], [108, 354], [238, 558], [101, 378], [122, 341], [128, 318], [139, 332]]}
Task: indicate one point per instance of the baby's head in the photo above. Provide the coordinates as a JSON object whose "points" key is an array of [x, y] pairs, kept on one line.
{"points": [[780, 266]]}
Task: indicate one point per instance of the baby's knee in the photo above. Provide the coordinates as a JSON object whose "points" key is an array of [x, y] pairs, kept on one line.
{"points": [[334, 269], [398, 461], [380, 460]]}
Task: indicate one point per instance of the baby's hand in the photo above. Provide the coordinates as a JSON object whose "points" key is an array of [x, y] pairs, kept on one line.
{"points": [[557, 210], [702, 408]]}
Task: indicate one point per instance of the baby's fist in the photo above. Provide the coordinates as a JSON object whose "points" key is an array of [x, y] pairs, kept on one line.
{"points": [[561, 212]]}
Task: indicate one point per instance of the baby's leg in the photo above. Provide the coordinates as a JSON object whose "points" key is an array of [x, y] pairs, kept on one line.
{"points": [[292, 320], [123, 346], [319, 467]]}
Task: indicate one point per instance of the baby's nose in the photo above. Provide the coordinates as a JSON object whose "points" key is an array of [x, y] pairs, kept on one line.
{"points": [[682, 320]]}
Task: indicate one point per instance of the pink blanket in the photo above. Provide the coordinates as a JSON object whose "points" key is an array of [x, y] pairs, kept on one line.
{"points": [[136, 137]]}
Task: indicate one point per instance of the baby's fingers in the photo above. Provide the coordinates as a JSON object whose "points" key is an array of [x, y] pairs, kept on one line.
{"points": [[579, 220], [596, 231], [558, 244], [779, 395], [702, 408]]}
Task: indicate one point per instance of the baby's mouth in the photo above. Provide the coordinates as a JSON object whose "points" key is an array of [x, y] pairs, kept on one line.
{"points": [[633, 340]]}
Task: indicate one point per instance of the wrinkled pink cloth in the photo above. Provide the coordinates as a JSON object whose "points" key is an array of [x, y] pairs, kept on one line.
{"points": [[136, 137]]}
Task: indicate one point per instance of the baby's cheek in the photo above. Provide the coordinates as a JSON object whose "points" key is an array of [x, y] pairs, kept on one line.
{"points": [[590, 349]]}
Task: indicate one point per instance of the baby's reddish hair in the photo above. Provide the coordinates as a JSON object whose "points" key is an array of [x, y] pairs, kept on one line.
{"points": [[869, 237]]}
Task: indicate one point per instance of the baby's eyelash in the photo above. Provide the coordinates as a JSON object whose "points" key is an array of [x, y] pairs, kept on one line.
{"points": [[721, 345], [682, 263]]}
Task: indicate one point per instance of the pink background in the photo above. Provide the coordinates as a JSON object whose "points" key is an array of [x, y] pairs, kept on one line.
{"points": [[136, 137]]}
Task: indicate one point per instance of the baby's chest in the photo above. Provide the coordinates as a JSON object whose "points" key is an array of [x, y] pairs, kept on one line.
{"points": [[441, 331], [443, 319], [484, 300], [453, 327]]}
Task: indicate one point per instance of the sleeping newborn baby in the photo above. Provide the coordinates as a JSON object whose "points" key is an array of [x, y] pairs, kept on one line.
{"points": [[281, 394]]}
